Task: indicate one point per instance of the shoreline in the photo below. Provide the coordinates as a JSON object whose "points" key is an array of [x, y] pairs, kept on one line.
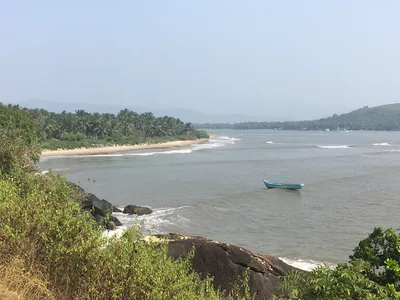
{"points": [[118, 148]]}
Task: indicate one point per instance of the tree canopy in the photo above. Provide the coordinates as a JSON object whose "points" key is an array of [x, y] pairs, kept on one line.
{"points": [[68, 129]]}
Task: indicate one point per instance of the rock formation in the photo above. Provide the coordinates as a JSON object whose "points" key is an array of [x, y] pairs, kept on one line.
{"points": [[226, 263]]}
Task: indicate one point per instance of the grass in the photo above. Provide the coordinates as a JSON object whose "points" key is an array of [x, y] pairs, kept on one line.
{"points": [[18, 283]]}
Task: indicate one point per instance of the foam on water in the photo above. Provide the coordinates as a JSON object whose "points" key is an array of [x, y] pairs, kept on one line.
{"points": [[306, 265], [333, 146], [178, 151], [213, 143], [210, 145], [149, 224], [272, 143], [228, 138], [381, 144], [53, 170]]}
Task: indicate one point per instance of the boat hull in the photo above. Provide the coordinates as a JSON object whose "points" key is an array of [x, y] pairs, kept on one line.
{"points": [[287, 186]]}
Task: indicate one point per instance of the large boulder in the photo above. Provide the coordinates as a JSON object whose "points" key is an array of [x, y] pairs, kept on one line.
{"points": [[116, 209], [137, 210], [115, 221], [97, 206], [226, 263], [100, 209]]}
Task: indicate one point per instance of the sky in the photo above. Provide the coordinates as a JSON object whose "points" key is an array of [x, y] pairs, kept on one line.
{"points": [[278, 59]]}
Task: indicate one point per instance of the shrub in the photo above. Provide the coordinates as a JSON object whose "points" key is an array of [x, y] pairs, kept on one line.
{"points": [[201, 134], [48, 229], [43, 225], [381, 249], [15, 155], [345, 282]]}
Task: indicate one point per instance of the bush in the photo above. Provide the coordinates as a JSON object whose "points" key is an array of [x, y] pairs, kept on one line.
{"points": [[18, 141], [345, 282], [47, 228], [17, 284], [373, 272], [201, 134], [15, 155], [43, 226], [70, 136], [381, 249]]}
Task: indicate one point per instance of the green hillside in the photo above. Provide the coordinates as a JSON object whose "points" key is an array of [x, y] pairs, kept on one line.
{"points": [[385, 117]]}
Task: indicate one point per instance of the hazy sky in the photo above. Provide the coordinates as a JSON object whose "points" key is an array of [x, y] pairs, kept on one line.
{"points": [[212, 56]]}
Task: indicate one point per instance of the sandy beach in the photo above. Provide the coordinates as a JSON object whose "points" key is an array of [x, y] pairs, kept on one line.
{"points": [[118, 148]]}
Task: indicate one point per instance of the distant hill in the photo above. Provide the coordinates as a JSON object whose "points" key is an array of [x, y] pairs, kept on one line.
{"points": [[384, 117], [263, 112]]}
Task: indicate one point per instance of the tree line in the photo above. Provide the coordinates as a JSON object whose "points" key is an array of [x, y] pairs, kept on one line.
{"points": [[129, 127], [385, 118]]}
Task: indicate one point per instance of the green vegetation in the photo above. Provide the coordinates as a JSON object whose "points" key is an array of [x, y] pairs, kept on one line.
{"points": [[373, 272], [83, 129], [51, 249], [386, 117]]}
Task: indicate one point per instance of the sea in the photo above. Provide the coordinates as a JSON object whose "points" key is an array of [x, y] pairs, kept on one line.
{"points": [[216, 190]]}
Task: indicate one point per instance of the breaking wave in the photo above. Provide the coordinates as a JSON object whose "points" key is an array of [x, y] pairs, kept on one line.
{"points": [[333, 146], [220, 141], [53, 170], [153, 223], [306, 265]]}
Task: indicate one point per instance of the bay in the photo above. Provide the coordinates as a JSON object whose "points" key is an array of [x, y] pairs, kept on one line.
{"points": [[216, 190]]}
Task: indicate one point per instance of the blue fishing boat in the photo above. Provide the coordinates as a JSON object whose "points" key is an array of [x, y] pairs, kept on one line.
{"points": [[288, 186]]}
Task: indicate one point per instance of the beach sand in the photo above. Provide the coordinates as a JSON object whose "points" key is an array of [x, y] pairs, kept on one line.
{"points": [[117, 148]]}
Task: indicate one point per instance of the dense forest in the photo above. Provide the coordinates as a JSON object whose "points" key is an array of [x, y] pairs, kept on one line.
{"points": [[78, 129], [386, 117]]}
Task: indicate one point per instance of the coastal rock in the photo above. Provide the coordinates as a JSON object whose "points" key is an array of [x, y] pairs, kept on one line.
{"points": [[115, 221], [97, 206], [99, 209], [137, 210], [111, 226], [116, 209], [226, 263]]}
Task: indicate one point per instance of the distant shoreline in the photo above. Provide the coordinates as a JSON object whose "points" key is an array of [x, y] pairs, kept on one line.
{"points": [[118, 148]]}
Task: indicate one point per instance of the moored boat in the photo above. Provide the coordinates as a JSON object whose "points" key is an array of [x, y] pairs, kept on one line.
{"points": [[288, 186]]}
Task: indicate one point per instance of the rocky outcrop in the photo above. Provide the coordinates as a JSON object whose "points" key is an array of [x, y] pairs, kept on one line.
{"points": [[97, 206], [115, 221], [137, 210], [100, 209], [226, 263]]}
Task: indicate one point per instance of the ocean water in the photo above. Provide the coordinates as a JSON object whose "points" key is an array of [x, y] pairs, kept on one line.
{"points": [[216, 189]]}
